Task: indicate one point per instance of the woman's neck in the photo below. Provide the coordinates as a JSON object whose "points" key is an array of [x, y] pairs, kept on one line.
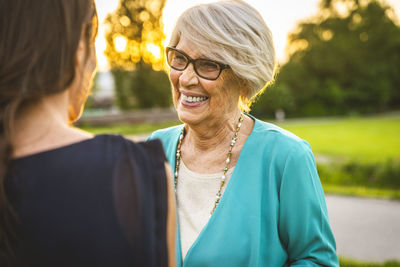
{"points": [[206, 151], [211, 135], [44, 125]]}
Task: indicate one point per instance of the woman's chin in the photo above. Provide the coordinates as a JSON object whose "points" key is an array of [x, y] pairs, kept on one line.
{"points": [[191, 111], [190, 115]]}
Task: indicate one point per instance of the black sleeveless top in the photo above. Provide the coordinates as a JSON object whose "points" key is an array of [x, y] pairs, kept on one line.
{"points": [[98, 202]]}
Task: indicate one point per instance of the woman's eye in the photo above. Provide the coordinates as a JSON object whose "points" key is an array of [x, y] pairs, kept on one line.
{"points": [[178, 61], [208, 66], [180, 58]]}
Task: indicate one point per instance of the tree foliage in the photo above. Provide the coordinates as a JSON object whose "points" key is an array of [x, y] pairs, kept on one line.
{"points": [[141, 89], [135, 53], [138, 24], [345, 60]]}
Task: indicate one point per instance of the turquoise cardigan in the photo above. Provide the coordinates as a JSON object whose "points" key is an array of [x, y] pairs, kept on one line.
{"points": [[273, 211]]}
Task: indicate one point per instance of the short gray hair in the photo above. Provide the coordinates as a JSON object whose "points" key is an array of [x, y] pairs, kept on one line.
{"points": [[234, 33]]}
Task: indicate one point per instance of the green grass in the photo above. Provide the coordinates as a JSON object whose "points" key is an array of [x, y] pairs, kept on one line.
{"points": [[366, 140], [344, 262], [371, 139], [127, 129], [361, 191]]}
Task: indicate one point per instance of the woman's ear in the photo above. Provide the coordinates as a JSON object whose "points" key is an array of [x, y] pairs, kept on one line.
{"points": [[244, 91], [77, 92], [244, 87], [80, 55]]}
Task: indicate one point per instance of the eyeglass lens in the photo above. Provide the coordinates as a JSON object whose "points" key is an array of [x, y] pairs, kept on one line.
{"points": [[204, 68]]}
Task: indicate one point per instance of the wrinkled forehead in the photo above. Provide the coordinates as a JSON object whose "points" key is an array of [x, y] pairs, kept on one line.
{"points": [[191, 49], [197, 47]]}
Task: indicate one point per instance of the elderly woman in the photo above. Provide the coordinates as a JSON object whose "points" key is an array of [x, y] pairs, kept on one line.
{"points": [[248, 192]]}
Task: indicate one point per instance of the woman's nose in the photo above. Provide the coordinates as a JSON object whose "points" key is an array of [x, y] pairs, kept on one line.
{"points": [[188, 76]]}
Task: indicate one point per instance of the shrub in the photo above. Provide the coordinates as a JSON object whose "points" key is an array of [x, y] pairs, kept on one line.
{"points": [[377, 175]]}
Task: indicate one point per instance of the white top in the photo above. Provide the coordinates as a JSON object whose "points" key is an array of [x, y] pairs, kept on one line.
{"points": [[196, 195]]}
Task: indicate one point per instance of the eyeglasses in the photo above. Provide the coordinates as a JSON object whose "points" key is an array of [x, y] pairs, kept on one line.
{"points": [[205, 68]]}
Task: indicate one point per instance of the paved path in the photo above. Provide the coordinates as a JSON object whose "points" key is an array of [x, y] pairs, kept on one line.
{"points": [[365, 229]]}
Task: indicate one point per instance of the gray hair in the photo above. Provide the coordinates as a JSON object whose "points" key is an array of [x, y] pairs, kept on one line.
{"points": [[234, 33]]}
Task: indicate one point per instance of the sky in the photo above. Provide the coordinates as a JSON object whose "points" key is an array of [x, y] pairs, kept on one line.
{"points": [[281, 17]]}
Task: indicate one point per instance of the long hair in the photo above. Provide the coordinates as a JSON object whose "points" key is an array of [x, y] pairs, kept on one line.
{"points": [[38, 43]]}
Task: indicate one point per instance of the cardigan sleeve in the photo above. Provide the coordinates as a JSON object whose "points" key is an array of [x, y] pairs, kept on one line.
{"points": [[303, 218]]}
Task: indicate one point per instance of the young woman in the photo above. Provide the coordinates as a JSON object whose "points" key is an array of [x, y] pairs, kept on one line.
{"points": [[68, 198]]}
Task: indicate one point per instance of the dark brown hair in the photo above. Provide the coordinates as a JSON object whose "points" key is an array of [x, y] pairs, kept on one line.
{"points": [[38, 43]]}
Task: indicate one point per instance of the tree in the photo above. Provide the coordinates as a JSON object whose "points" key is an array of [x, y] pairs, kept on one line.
{"points": [[277, 97], [135, 53], [344, 60]]}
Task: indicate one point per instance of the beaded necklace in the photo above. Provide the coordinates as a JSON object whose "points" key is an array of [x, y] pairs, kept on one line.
{"points": [[227, 161]]}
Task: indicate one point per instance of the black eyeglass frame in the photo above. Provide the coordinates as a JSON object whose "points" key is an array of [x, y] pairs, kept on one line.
{"points": [[193, 61]]}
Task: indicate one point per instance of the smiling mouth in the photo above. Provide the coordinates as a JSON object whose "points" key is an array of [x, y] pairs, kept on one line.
{"points": [[193, 99]]}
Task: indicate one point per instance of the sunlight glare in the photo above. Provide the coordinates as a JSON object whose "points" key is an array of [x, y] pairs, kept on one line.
{"points": [[104, 7], [120, 43], [125, 21], [281, 17], [154, 50]]}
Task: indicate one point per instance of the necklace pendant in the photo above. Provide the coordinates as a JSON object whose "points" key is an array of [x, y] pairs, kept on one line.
{"points": [[223, 177]]}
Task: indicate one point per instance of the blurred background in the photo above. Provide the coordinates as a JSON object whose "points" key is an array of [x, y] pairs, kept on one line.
{"points": [[337, 86]]}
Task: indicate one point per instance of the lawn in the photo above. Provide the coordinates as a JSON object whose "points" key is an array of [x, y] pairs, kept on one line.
{"points": [[129, 130], [365, 139], [344, 262], [368, 139]]}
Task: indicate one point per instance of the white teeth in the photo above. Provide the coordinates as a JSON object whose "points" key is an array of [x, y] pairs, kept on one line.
{"points": [[193, 99]]}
